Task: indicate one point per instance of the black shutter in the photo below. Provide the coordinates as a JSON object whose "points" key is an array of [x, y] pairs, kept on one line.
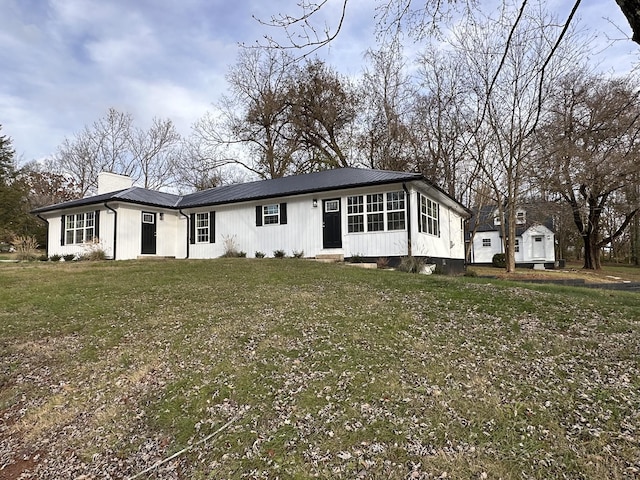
{"points": [[96, 225], [438, 210], [62, 230], [212, 227], [192, 228], [419, 213], [283, 214], [258, 215]]}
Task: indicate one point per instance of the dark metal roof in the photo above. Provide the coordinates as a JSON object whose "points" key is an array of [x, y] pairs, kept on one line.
{"points": [[133, 195], [336, 179], [483, 219]]}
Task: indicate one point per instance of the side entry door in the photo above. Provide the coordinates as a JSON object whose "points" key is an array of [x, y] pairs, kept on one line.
{"points": [[331, 224], [148, 233]]}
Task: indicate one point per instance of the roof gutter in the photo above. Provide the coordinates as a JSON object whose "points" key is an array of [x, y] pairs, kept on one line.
{"points": [[115, 228], [188, 220], [408, 203]]}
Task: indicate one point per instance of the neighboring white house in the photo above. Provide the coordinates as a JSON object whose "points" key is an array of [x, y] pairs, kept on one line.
{"points": [[341, 213], [535, 239]]}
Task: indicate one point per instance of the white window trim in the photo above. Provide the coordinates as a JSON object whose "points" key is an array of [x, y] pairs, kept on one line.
{"points": [[88, 232], [425, 214], [361, 209], [202, 227], [276, 215]]}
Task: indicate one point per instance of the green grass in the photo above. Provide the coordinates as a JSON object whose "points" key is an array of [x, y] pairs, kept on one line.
{"points": [[333, 371]]}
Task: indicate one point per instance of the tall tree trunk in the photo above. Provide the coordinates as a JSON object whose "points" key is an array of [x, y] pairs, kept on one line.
{"points": [[591, 252]]}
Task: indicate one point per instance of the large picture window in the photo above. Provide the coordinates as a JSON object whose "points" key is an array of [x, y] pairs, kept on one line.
{"points": [[381, 212], [79, 228], [429, 216]]}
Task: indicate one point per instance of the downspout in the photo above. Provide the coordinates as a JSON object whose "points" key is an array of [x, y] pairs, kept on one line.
{"points": [[408, 203], [115, 228], [188, 240], [46, 252]]}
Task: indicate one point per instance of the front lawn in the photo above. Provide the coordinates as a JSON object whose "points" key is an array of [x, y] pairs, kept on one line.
{"points": [[314, 371]]}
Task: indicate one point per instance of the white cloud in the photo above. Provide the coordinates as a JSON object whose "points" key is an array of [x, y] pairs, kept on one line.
{"points": [[66, 62]]}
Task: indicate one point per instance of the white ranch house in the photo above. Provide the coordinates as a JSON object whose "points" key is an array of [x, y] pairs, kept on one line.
{"points": [[535, 239], [337, 213]]}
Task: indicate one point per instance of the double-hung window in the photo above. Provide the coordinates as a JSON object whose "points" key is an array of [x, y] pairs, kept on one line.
{"points": [[79, 228], [271, 214], [395, 211], [202, 227], [375, 212], [486, 242], [429, 216], [355, 214]]}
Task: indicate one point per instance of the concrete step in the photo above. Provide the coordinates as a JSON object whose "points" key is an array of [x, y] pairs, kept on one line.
{"points": [[330, 257]]}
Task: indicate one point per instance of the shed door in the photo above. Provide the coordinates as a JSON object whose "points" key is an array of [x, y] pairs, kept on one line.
{"points": [[148, 233], [331, 224], [538, 246]]}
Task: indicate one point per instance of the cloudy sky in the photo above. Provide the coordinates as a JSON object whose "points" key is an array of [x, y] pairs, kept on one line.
{"points": [[64, 63]]}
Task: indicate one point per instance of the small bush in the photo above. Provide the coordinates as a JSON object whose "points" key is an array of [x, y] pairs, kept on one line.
{"points": [[26, 247], [259, 254], [382, 262], [231, 248], [357, 258], [299, 254], [43, 258], [55, 257], [93, 251], [94, 255], [279, 254], [69, 257], [410, 264], [499, 260]]}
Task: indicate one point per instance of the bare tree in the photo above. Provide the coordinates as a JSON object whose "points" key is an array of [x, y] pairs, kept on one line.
{"points": [[309, 29], [255, 116], [323, 113], [113, 144], [442, 125], [156, 154], [385, 136], [591, 143]]}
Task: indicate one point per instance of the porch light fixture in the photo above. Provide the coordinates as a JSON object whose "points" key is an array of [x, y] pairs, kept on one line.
{"points": [[315, 202], [161, 215]]}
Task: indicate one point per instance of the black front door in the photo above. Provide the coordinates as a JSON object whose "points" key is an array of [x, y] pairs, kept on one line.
{"points": [[331, 224], [148, 233]]}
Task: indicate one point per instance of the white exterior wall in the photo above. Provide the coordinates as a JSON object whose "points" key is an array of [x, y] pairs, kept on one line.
{"points": [[450, 242], [236, 224], [170, 232], [482, 254], [529, 250], [526, 253], [303, 231], [55, 226]]}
